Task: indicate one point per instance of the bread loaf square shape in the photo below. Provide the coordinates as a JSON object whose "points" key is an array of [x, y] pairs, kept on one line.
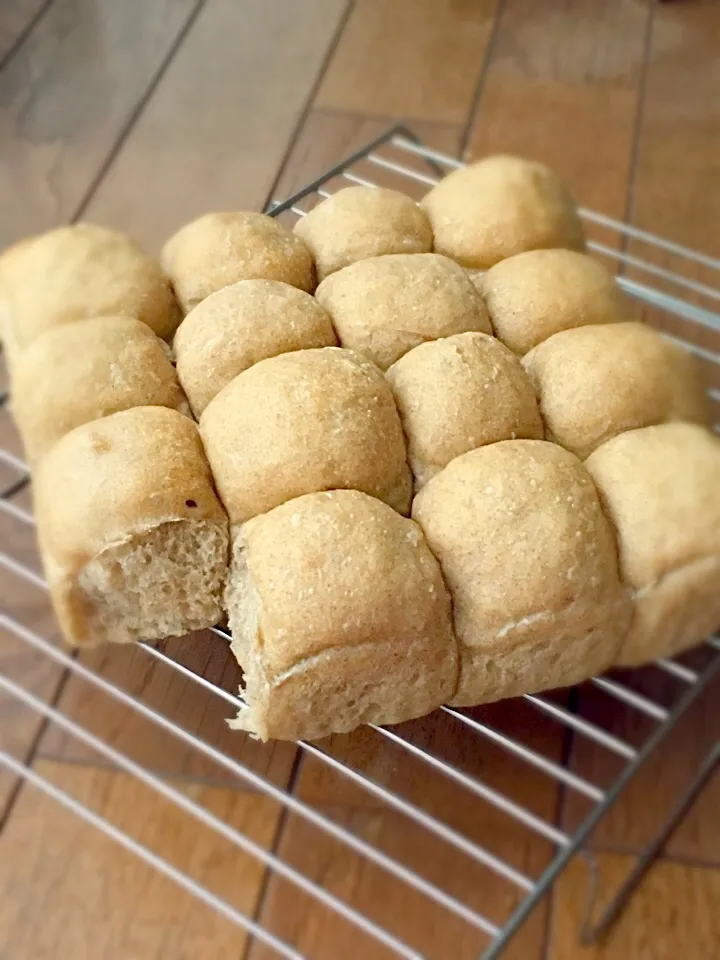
{"points": [[460, 393], [596, 382], [78, 272], [385, 306], [339, 617], [532, 568], [218, 249], [76, 373], [304, 422], [660, 486], [241, 324], [133, 537], [534, 295], [361, 222], [499, 207]]}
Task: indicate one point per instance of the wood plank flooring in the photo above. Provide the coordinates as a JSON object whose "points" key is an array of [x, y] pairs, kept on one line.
{"points": [[144, 114]]}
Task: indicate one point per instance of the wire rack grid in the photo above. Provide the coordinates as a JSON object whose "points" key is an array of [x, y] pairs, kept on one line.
{"points": [[420, 774]]}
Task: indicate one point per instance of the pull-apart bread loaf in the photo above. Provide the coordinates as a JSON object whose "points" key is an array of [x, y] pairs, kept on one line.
{"points": [[460, 393], [385, 306], [533, 295], [303, 422], [532, 567], [466, 340], [133, 538], [361, 222], [339, 617], [499, 207], [596, 382], [78, 272], [660, 486], [223, 248], [81, 371], [239, 325]]}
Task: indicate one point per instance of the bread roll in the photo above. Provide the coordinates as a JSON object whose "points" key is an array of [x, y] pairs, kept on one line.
{"points": [[460, 393], [222, 248], [596, 382], [531, 565], [339, 617], [73, 273], [361, 222], [303, 422], [534, 295], [133, 538], [76, 373], [385, 306], [499, 207], [237, 326], [660, 486]]}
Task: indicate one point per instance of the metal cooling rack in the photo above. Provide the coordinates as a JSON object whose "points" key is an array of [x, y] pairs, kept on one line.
{"points": [[652, 701]]}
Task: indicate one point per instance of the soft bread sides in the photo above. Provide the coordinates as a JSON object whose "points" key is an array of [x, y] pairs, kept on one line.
{"points": [[339, 616], [660, 486], [531, 564], [133, 538]]}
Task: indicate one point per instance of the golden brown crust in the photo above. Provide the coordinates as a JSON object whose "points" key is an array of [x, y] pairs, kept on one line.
{"points": [[385, 306], [361, 222], [596, 382], [85, 370], [303, 422], [78, 272], [352, 623], [239, 325], [531, 565], [223, 248], [660, 486], [499, 207], [534, 295], [460, 393]]}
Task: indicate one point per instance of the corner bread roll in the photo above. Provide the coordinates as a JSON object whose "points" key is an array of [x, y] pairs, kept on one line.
{"points": [[339, 617], [385, 306], [223, 248], [78, 272], [303, 422], [534, 295], [361, 222], [530, 561], [133, 538], [461, 393], [239, 325], [85, 370], [499, 207], [596, 382], [660, 486]]}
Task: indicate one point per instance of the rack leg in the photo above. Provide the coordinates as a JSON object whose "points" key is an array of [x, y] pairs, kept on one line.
{"points": [[593, 933]]}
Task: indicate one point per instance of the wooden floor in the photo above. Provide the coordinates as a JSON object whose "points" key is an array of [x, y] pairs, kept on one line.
{"points": [[144, 113]]}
